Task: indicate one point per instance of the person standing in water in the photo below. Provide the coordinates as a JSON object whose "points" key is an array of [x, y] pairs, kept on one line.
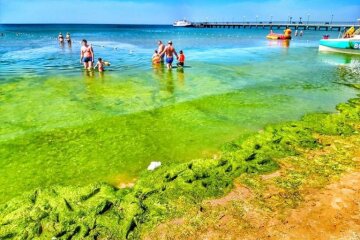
{"points": [[169, 51], [86, 55], [100, 65], [68, 39], [181, 59], [156, 58], [61, 39], [161, 49]]}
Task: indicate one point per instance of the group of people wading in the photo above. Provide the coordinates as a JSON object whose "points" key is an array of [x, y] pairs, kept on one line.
{"points": [[162, 54], [62, 40], [167, 53]]}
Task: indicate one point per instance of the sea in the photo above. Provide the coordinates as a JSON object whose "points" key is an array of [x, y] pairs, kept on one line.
{"points": [[63, 125]]}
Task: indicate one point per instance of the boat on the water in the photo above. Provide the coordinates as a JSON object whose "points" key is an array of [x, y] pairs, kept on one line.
{"points": [[182, 23], [341, 45], [349, 43]]}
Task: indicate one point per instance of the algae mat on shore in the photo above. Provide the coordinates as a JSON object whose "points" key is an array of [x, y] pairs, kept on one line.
{"points": [[101, 211]]}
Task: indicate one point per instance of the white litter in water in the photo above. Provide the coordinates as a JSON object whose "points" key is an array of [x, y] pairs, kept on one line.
{"points": [[153, 166]]}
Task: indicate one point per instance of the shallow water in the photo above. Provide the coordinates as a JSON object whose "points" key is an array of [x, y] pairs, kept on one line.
{"points": [[62, 125]]}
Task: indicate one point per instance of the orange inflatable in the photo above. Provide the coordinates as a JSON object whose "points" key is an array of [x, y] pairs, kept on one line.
{"points": [[274, 36]]}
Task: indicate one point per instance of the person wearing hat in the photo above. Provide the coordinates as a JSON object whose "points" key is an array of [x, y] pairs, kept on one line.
{"points": [[169, 53]]}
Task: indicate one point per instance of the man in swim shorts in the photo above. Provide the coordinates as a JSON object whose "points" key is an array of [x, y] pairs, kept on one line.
{"points": [[169, 53], [86, 55], [161, 49]]}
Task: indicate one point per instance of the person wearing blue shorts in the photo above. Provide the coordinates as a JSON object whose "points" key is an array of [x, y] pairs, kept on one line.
{"points": [[169, 52], [86, 55], [169, 60]]}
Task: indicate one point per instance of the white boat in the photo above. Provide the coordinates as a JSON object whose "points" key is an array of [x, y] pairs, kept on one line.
{"points": [[341, 45], [349, 43], [182, 23]]}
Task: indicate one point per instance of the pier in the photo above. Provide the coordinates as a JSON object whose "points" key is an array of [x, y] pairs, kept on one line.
{"points": [[316, 26]]}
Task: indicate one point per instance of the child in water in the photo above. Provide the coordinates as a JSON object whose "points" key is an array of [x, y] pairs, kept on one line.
{"points": [[100, 65], [181, 59], [156, 58]]}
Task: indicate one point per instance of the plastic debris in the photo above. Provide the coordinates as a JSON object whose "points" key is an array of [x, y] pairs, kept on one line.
{"points": [[154, 165]]}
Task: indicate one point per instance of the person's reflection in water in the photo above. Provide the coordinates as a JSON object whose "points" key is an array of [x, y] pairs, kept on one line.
{"points": [[102, 76], [88, 74], [158, 70], [62, 47], [286, 43], [279, 43], [158, 76], [170, 82], [181, 76], [165, 80]]}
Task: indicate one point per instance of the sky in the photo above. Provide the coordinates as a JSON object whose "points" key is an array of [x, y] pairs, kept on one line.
{"points": [[167, 11]]}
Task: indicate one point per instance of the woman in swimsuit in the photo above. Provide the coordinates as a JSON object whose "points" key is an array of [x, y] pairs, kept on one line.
{"points": [[61, 39], [68, 39], [86, 55]]}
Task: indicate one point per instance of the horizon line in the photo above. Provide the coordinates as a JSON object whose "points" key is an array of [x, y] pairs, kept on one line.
{"points": [[165, 24], [86, 24]]}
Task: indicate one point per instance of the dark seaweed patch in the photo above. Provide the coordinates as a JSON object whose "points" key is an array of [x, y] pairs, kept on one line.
{"points": [[104, 207], [251, 157]]}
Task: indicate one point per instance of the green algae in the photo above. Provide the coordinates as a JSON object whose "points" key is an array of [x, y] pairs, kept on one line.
{"points": [[74, 130], [101, 211], [102, 147], [89, 212]]}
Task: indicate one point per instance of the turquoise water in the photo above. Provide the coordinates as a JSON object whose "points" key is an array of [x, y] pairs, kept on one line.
{"points": [[62, 125]]}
